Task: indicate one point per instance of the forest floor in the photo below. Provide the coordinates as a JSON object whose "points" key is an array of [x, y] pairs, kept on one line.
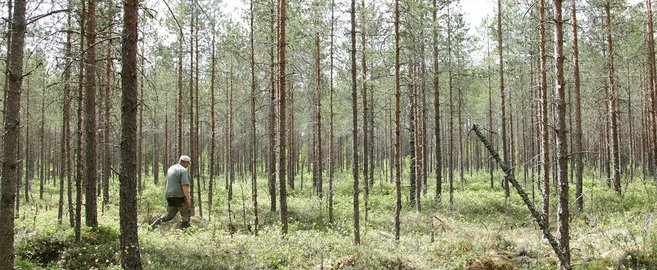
{"points": [[481, 230]]}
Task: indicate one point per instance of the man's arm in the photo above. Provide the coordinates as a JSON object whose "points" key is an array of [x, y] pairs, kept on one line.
{"points": [[188, 199]]}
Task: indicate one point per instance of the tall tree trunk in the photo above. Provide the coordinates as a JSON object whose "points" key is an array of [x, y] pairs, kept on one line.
{"points": [[11, 135], [397, 124], [106, 128], [450, 160], [318, 118], [28, 161], [66, 122], [282, 4], [271, 172], [354, 126], [78, 154], [140, 127], [130, 258], [90, 212], [331, 153], [254, 156], [563, 214], [490, 113], [500, 52], [179, 123], [653, 93], [364, 97], [42, 146], [412, 190], [436, 104], [197, 164], [577, 147], [613, 122], [213, 131], [544, 138], [229, 136], [192, 147]]}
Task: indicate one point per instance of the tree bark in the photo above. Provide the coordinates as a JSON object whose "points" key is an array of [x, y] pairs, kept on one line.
{"points": [[563, 214], [11, 135], [577, 147], [331, 153], [365, 113], [544, 138], [317, 135], [78, 154], [500, 50], [106, 128], [271, 172], [90, 179], [613, 122], [282, 4], [130, 257], [436, 104], [354, 126], [450, 160], [397, 124], [64, 171], [653, 93], [254, 156]]}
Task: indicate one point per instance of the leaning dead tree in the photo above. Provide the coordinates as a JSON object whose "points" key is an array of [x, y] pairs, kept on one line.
{"points": [[508, 172]]}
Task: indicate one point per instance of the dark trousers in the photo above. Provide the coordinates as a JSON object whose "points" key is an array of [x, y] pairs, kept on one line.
{"points": [[175, 205]]}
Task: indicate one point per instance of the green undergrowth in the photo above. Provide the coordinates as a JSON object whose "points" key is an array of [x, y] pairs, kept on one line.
{"points": [[480, 230]]}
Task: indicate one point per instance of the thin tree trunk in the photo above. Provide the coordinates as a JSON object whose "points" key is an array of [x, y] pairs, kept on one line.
{"points": [[229, 140], [331, 138], [613, 122], [198, 164], [192, 147], [254, 156], [436, 104], [412, 191], [364, 97], [577, 147], [78, 173], [271, 174], [563, 214], [106, 128], [451, 108], [500, 50], [282, 4], [397, 124], [354, 126], [42, 163], [28, 162], [490, 114], [213, 126], [545, 150], [179, 123], [66, 122], [653, 94]]}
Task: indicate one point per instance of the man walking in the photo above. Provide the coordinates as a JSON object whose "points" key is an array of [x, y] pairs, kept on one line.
{"points": [[177, 193]]}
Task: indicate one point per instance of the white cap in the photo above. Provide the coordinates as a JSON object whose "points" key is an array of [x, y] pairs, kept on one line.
{"points": [[185, 158]]}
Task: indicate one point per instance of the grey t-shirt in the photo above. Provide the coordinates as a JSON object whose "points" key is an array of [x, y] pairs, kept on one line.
{"points": [[177, 175]]}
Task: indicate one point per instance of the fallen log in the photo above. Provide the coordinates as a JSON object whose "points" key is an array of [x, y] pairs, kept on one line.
{"points": [[537, 216]]}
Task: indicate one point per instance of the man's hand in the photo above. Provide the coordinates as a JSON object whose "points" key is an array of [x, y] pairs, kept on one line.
{"points": [[188, 201]]}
